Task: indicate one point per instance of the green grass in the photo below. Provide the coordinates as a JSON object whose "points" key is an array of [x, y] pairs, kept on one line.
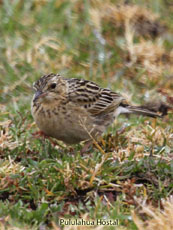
{"points": [[40, 183]]}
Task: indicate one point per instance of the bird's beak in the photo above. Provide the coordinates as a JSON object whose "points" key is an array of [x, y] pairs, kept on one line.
{"points": [[39, 94]]}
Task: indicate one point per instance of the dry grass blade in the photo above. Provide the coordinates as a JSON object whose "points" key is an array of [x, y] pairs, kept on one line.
{"points": [[12, 87], [6, 139], [145, 22], [156, 219], [98, 167]]}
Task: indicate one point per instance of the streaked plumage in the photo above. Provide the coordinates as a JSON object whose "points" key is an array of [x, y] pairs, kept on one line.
{"points": [[73, 110]]}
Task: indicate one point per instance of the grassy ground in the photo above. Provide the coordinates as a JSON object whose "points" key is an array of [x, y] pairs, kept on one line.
{"points": [[124, 47]]}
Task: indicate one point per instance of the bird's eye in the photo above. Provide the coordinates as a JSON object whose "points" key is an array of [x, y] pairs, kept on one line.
{"points": [[53, 85]]}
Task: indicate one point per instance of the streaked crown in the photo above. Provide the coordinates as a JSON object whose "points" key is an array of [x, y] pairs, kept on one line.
{"points": [[43, 81]]}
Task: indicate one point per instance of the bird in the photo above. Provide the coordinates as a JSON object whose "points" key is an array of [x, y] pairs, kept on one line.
{"points": [[74, 110]]}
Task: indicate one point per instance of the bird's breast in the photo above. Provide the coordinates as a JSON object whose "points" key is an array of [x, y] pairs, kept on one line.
{"points": [[68, 123]]}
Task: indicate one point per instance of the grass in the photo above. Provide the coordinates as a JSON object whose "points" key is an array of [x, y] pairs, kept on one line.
{"points": [[99, 41]]}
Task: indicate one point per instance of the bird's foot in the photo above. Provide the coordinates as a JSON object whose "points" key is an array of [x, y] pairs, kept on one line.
{"points": [[41, 134], [87, 146]]}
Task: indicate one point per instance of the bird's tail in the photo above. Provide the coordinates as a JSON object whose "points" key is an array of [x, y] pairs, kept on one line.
{"points": [[139, 110], [142, 111]]}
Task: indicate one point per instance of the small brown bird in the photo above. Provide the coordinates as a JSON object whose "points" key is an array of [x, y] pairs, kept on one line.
{"points": [[74, 110]]}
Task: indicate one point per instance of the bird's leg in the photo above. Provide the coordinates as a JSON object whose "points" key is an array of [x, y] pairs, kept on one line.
{"points": [[41, 134], [87, 145]]}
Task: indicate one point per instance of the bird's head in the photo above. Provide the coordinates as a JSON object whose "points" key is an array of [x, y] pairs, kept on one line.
{"points": [[49, 88]]}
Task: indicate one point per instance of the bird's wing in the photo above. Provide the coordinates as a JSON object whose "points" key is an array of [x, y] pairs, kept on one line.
{"points": [[94, 99]]}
